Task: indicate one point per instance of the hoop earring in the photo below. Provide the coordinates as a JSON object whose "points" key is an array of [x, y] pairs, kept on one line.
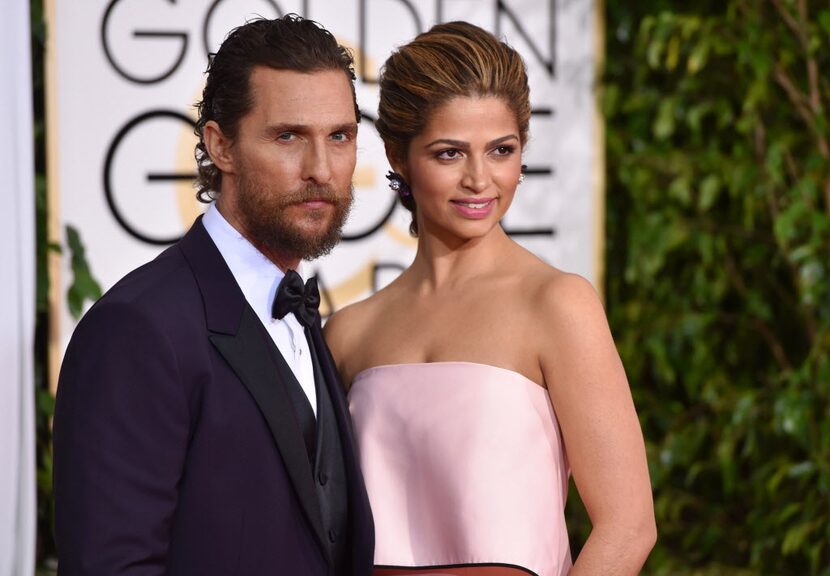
{"points": [[398, 184]]}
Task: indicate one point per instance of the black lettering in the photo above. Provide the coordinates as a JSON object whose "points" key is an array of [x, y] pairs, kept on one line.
{"points": [[182, 38], [206, 25], [363, 39], [525, 232], [109, 192], [439, 11], [549, 64], [540, 170], [530, 172], [387, 215]]}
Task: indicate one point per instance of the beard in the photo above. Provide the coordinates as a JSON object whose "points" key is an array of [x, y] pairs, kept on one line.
{"points": [[264, 213]]}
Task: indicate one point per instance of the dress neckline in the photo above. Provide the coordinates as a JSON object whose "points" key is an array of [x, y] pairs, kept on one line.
{"points": [[406, 365]]}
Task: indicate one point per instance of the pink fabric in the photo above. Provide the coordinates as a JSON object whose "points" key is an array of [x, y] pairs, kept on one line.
{"points": [[464, 464]]}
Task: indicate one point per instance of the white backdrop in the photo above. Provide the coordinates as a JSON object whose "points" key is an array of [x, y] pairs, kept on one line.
{"points": [[129, 71], [17, 296]]}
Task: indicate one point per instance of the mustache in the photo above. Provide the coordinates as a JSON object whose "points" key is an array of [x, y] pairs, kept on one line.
{"points": [[311, 192]]}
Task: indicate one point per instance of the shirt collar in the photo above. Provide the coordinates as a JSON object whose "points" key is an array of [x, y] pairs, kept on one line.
{"points": [[256, 275]]}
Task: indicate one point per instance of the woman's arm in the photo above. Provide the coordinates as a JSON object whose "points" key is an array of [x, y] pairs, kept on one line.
{"points": [[603, 440]]}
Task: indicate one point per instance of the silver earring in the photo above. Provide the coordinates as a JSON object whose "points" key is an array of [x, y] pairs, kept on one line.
{"points": [[398, 184], [522, 173], [521, 178]]}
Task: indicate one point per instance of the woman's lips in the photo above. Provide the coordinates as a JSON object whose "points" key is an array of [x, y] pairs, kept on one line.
{"points": [[475, 208]]}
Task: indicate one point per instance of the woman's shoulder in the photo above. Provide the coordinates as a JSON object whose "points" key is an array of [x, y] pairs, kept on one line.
{"points": [[348, 325], [556, 295], [345, 323], [550, 284]]}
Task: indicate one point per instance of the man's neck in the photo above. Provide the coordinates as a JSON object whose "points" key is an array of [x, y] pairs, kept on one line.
{"points": [[280, 260]]}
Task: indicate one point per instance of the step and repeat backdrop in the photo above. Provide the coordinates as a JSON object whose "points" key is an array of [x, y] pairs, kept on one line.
{"points": [[125, 74]]}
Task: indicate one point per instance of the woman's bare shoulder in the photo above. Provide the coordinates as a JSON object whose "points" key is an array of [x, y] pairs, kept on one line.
{"points": [[343, 325], [560, 299], [347, 327], [548, 283]]}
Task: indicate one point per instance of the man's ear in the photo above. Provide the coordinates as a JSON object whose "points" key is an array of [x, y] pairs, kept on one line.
{"points": [[219, 147]]}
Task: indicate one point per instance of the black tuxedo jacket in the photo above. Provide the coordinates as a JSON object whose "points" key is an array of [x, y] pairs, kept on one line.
{"points": [[176, 450]]}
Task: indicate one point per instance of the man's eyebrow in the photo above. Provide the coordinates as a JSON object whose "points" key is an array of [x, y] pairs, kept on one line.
{"points": [[465, 145], [348, 127], [276, 129], [280, 128]]}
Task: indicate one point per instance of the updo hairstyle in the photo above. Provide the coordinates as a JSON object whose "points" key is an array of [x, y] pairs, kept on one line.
{"points": [[451, 60]]}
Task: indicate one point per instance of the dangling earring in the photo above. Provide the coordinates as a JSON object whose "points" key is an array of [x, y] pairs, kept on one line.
{"points": [[398, 184], [522, 174]]}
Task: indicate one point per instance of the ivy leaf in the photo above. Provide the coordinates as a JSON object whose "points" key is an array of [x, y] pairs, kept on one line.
{"points": [[84, 287]]}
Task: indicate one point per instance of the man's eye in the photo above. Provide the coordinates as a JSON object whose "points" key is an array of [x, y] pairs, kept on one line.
{"points": [[286, 136], [340, 137]]}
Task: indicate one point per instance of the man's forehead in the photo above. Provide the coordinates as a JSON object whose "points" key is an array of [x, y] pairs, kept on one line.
{"points": [[317, 98]]}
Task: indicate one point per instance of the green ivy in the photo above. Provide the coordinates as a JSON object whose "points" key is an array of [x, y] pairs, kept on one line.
{"points": [[718, 273], [84, 288]]}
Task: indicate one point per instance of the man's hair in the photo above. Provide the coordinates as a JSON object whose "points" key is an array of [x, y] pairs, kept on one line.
{"points": [[452, 60], [287, 43]]}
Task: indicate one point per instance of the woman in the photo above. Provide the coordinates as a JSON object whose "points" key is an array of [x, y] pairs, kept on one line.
{"points": [[481, 376]]}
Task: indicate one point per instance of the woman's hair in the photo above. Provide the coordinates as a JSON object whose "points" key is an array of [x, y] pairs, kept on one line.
{"points": [[451, 60]]}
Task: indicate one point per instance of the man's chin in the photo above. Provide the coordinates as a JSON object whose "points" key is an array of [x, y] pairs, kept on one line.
{"points": [[310, 241], [314, 226]]}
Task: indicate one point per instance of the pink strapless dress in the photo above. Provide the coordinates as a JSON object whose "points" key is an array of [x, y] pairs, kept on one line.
{"points": [[465, 469]]}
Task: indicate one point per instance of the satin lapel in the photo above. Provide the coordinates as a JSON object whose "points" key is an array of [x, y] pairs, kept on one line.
{"points": [[332, 380], [248, 354]]}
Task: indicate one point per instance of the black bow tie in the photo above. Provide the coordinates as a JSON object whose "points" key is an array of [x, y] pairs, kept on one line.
{"points": [[301, 299]]}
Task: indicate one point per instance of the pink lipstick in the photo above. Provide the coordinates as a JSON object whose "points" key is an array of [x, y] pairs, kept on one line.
{"points": [[474, 208]]}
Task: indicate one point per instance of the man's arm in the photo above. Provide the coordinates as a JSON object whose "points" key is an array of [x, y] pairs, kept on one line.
{"points": [[120, 436]]}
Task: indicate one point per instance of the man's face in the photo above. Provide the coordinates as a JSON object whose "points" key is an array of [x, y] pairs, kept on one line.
{"points": [[289, 190]]}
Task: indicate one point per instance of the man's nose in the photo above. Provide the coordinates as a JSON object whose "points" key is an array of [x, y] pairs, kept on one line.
{"points": [[316, 163]]}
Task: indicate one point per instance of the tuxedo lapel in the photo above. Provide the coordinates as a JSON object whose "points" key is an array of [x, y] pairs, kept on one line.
{"points": [[332, 381], [248, 354], [238, 335]]}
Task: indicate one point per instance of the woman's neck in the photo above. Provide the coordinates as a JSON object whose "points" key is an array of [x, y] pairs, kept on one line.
{"points": [[442, 262]]}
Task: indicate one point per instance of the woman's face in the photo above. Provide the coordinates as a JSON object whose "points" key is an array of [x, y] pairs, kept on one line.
{"points": [[464, 166]]}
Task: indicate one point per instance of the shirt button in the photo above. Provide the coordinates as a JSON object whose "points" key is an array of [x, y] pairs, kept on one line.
{"points": [[322, 478], [332, 536]]}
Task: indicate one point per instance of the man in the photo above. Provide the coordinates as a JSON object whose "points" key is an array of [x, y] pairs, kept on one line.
{"points": [[200, 428]]}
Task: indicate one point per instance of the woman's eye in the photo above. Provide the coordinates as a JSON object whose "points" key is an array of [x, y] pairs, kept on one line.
{"points": [[450, 154], [504, 150]]}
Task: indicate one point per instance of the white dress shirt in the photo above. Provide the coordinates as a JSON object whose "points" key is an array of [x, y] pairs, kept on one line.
{"points": [[258, 278]]}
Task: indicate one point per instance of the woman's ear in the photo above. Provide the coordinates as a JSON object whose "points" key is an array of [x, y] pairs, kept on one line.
{"points": [[397, 165], [219, 147]]}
